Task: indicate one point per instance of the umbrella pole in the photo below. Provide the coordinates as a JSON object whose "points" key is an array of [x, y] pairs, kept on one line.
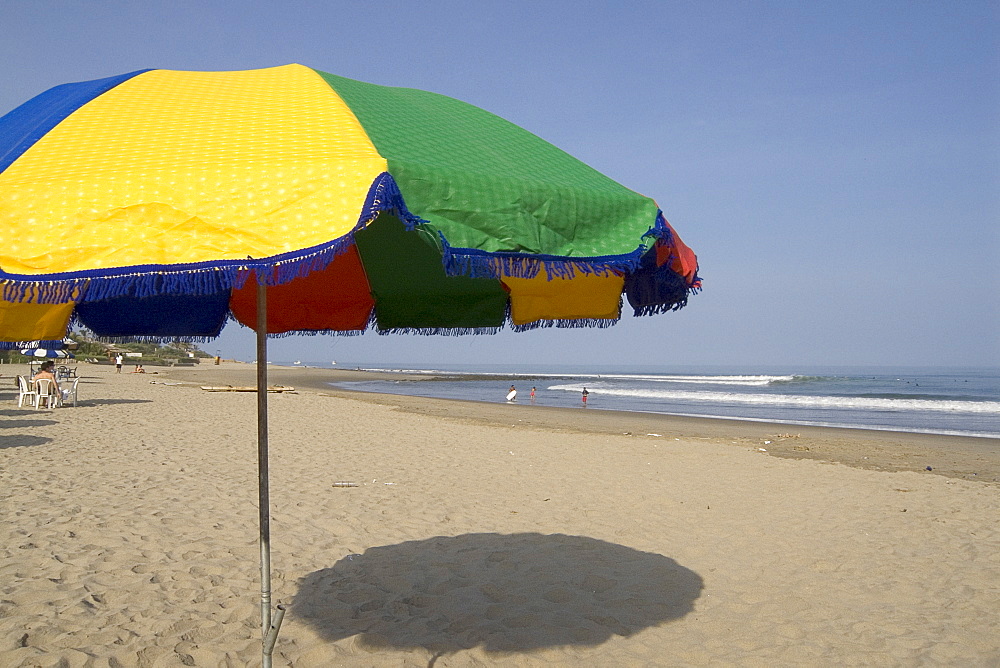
{"points": [[269, 631]]}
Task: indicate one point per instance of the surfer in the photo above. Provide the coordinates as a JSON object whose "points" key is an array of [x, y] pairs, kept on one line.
{"points": [[511, 394]]}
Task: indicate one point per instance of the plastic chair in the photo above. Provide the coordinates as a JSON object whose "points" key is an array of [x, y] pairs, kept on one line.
{"points": [[46, 393], [70, 394], [25, 393], [62, 372]]}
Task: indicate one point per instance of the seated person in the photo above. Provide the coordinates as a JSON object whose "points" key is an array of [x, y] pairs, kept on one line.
{"points": [[45, 372]]}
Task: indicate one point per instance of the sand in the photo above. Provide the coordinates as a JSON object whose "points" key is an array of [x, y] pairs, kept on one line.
{"points": [[963, 457], [481, 535]]}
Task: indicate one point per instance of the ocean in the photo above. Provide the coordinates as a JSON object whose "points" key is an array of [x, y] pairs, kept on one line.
{"points": [[962, 402]]}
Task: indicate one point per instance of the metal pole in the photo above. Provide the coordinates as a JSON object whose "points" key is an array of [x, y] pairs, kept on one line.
{"points": [[268, 635]]}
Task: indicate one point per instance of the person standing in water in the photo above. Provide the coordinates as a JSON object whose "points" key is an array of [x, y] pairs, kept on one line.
{"points": [[511, 394], [532, 395], [584, 396]]}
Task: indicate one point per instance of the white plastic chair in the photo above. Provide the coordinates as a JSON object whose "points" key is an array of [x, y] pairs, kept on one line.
{"points": [[46, 393], [25, 392], [70, 394]]}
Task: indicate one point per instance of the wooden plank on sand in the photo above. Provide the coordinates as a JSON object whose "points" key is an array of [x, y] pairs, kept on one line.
{"points": [[232, 388]]}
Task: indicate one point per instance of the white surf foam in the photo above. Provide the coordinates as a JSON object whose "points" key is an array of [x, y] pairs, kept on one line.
{"points": [[797, 400]]}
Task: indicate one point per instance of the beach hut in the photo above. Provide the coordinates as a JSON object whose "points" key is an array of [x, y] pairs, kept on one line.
{"points": [[295, 200]]}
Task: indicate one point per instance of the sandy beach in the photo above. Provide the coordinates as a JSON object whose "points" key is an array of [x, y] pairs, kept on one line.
{"points": [[481, 534]]}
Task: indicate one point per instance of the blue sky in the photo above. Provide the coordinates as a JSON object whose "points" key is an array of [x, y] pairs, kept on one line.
{"points": [[836, 166]]}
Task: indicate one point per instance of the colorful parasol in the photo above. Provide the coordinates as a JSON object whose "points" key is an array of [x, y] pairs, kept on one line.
{"points": [[135, 203], [46, 352], [158, 204]]}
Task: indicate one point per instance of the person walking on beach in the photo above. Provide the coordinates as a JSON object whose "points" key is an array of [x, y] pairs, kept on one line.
{"points": [[511, 394], [118, 362], [584, 397]]}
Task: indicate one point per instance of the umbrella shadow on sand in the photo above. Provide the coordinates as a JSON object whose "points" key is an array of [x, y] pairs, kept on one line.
{"points": [[505, 593], [12, 412], [25, 424], [93, 403], [23, 440]]}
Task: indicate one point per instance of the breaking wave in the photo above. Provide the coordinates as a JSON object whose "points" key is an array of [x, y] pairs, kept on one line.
{"points": [[796, 400]]}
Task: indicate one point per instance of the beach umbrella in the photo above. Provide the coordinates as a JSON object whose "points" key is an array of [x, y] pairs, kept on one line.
{"points": [[157, 204], [46, 352]]}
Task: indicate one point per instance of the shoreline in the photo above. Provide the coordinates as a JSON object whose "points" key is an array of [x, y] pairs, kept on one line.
{"points": [[963, 457]]}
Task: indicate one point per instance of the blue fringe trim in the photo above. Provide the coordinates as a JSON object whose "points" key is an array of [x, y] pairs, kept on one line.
{"points": [[483, 264], [314, 332], [497, 264], [656, 309], [47, 345], [441, 331], [154, 339], [39, 292], [660, 230], [282, 269], [577, 323], [384, 196], [653, 289], [658, 291], [203, 277]]}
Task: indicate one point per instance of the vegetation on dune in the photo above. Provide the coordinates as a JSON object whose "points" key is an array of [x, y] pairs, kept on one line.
{"points": [[86, 347]]}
